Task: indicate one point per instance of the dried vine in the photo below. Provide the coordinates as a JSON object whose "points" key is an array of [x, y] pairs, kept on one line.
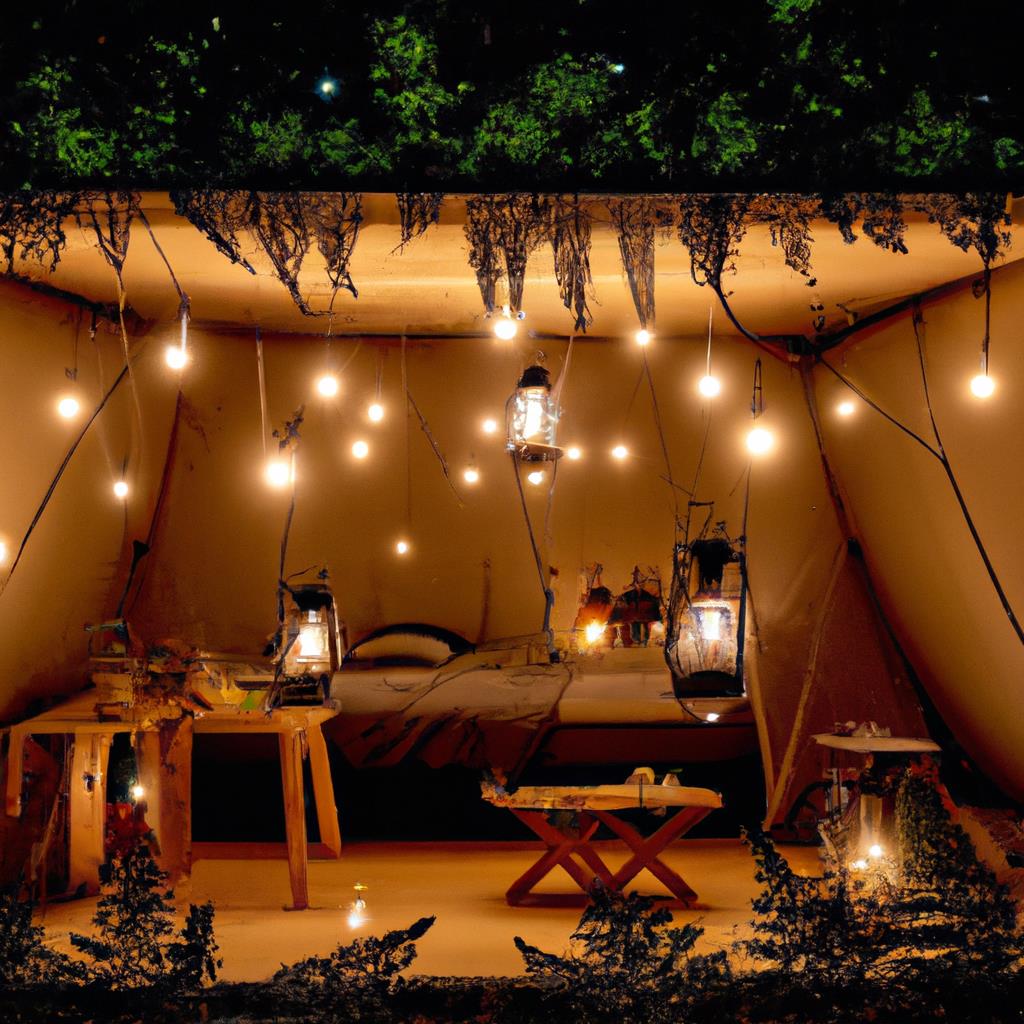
{"points": [[504, 229], [335, 218], [570, 240], [789, 222], [635, 221], [220, 215], [880, 214], [278, 222], [711, 228], [416, 212], [110, 215], [32, 226]]}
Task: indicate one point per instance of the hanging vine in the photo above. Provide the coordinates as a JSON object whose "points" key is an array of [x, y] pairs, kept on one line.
{"points": [[32, 226], [570, 241], [635, 220], [277, 221], [788, 218], [880, 215], [416, 212], [110, 215], [504, 229], [220, 215], [335, 218]]}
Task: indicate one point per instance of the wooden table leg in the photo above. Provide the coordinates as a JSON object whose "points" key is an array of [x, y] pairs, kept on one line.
{"points": [[560, 851], [290, 748], [323, 791], [646, 851]]}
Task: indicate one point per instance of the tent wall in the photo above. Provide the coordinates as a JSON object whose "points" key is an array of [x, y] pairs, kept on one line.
{"points": [[930, 577]]}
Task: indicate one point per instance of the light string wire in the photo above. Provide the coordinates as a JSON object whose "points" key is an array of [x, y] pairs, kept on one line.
{"points": [[262, 383]]}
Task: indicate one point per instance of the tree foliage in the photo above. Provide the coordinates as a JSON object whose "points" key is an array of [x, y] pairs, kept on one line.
{"points": [[793, 93]]}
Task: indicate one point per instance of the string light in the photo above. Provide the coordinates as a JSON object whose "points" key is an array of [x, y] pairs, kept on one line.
{"points": [[709, 385], [712, 716], [536, 477], [138, 792], [327, 385], [859, 865], [620, 451], [120, 490], [982, 386], [574, 453], [760, 441], [360, 449], [402, 547], [376, 412], [357, 910], [874, 850], [471, 475], [593, 631], [277, 473], [68, 407], [643, 337], [846, 408], [505, 327], [489, 426], [3, 552], [176, 357]]}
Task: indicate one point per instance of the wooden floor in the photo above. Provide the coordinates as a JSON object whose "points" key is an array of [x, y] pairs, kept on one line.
{"points": [[463, 884]]}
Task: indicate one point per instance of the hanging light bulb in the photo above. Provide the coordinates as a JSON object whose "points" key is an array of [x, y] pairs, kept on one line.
{"points": [[327, 385], [643, 337], [3, 552], [471, 475], [505, 327], [68, 407], [138, 791], [376, 412], [982, 386], [176, 357], [620, 451], [402, 547], [712, 716], [846, 408], [360, 449], [489, 426], [121, 489], [357, 910], [574, 453], [859, 865], [709, 386], [532, 417], [593, 631], [277, 473], [875, 851], [536, 477], [760, 441]]}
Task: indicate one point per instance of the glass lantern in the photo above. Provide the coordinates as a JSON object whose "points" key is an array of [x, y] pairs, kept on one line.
{"points": [[312, 639], [532, 417]]}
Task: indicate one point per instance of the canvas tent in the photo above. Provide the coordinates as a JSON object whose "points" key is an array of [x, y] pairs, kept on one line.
{"points": [[864, 577]]}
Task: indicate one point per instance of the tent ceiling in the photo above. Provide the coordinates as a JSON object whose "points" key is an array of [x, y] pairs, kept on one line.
{"points": [[429, 288]]}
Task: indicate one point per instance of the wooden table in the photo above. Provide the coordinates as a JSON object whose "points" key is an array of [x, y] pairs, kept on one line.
{"points": [[593, 806]]}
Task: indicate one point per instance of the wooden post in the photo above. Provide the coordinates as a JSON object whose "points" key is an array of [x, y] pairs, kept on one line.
{"points": [[164, 758], [15, 770], [290, 748], [323, 791], [87, 806]]}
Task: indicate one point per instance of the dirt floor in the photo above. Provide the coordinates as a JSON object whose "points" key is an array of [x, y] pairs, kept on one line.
{"points": [[463, 884]]}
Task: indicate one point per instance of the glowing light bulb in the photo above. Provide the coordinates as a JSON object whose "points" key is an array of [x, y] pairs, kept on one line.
{"points": [[138, 791], [846, 408], [859, 865], [574, 453], [593, 631], [505, 328], [176, 357], [489, 426], [376, 412], [874, 850], [277, 473], [68, 407], [760, 441], [643, 337], [620, 451], [471, 475], [402, 547], [712, 716], [3, 552], [120, 489], [536, 477], [355, 918], [360, 449], [982, 386], [327, 385], [709, 386]]}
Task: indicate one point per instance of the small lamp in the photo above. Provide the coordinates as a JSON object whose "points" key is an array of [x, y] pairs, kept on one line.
{"points": [[532, 417], [312, 642]]}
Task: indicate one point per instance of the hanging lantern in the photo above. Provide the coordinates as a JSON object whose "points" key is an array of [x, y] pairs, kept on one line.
{"points": [[312, 641], [594, 612], [532, 417], [637, 609], [705, 650]]}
